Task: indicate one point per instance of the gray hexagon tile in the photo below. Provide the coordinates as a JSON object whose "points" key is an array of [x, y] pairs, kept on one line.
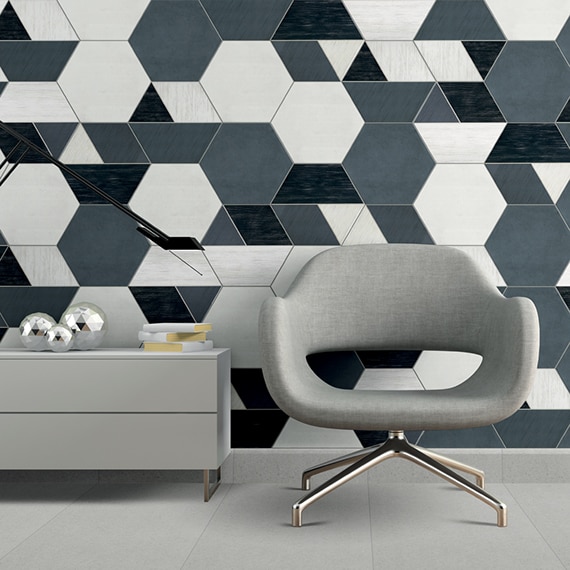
{"points": [[530, 245], [177, 198], [124, 316], [234, 316], [246, 81], [37, 205], [104, 81], [317, 122], [438, 370], [460, 204], [252, 265], [388, 163], [246, 163], [530, 81], [184, 46], [111, 21], [527, 20], [380, 20]]}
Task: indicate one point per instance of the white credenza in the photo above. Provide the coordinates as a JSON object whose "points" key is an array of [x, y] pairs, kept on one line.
{"points": [[115, 409]]}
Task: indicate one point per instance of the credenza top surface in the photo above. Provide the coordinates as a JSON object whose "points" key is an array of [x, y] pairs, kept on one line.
{"points": [[109, 354]]}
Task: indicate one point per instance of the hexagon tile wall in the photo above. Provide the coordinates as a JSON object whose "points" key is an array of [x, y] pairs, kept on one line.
{"points": [[270, 130]]}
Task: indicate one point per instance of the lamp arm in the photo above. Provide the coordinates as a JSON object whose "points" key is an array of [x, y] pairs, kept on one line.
{"points": [[148, 230]]}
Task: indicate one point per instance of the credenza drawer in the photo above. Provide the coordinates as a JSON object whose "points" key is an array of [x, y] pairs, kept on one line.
{"points": [[99, 385], [112, 441]]}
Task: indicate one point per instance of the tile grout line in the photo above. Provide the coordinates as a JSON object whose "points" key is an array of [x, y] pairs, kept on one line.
{"points": [[49, 521], [206, 526], [507, 485]]}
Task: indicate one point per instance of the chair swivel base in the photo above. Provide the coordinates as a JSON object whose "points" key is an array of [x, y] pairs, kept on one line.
{"points": [[396, 446]]}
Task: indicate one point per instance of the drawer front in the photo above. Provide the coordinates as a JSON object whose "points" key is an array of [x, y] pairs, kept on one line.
{"points": [[110, 441], [161, 385]]}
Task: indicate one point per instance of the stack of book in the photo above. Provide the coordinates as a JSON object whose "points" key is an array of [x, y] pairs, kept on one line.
{"points": [[176, 337]]}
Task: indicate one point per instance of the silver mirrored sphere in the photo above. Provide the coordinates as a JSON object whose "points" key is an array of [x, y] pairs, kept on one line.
{"points": [[88, 323], [60, 338], [33, 329]]}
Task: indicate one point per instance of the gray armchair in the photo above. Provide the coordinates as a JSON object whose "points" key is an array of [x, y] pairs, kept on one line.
{"points": [[397, 297]]}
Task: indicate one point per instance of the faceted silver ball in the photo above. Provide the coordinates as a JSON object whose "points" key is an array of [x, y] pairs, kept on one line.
{"points": [[59, 338], [88, 323], [33, 330]]}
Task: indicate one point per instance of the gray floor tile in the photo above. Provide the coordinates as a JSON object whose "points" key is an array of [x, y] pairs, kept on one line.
{"points": [[547, 506], [125, 526], [25, 508], [450, 529], [252, 530]]}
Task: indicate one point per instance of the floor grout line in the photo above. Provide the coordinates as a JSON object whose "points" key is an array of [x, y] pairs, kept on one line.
{"points": [[507, 485]]}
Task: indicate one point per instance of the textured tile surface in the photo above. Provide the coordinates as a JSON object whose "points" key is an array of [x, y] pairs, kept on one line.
{"points": [[260, 125]]}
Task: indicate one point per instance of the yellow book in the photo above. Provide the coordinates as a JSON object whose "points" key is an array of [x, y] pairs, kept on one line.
{"points": [[178, 346]]}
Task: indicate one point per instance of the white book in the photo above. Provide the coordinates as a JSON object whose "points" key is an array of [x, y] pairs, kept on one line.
{"points": [[172, 336], [178, 346], [177, 327]]}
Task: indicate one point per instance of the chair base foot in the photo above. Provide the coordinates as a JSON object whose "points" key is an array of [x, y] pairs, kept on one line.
{"points": [[396, 446]]}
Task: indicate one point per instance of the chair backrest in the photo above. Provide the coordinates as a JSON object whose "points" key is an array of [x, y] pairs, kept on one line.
{"points": [[390, 296]]}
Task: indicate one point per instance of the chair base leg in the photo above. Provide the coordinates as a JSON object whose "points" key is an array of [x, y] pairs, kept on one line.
{"points": [[396, 446]]}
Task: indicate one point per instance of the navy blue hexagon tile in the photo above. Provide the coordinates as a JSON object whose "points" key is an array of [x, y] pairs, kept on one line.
{"points": [[563, 368], [482, 437], [56, 135], [151, 109], [174, 41], [305, 60], [11, 272], [18, 302], [472, 102], [534, 428], [162, 304], [250, 386], [466, 20], [364, 67], [11, 27], [102, 247], [563, 39], [246, 19], [388, 102], [222, 231], [305, 224], [388, 163], [175, 142], [400, 224], [258, 225], [246, 163], [118, 180], [256, 428], [530, 245], [521, 142], [198, 299], [115, 142], [530, 81], [35, 61], [483, 54], [317, 184], [554, 319], [436, 109], [341, 369], [563, 204], [317, 20], [519, 184]]}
